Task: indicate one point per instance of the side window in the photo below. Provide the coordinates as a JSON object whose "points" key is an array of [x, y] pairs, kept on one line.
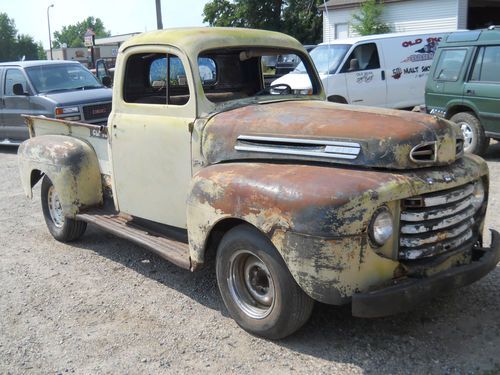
{"points": [[363, 57], [146, 80], [487, 65], [12, 77], [449, 64]]}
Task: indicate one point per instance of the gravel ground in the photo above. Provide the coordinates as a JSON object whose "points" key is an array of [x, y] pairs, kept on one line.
{"points": [[103, 305]]}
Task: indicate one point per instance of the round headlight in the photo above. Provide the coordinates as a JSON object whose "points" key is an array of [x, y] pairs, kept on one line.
{"points": [[381, 227], [478, 195]]}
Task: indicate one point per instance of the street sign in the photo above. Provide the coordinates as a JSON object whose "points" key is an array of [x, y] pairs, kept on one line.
{"points": [[88, 39]]}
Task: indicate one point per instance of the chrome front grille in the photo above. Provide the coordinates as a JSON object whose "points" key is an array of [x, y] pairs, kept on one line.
{"points": [[435, 223]]}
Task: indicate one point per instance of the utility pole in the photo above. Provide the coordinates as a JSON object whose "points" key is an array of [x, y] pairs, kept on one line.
{"points": [[159, 24], [50, 37]]}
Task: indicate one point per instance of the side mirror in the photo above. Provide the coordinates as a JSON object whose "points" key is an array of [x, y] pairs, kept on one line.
{"points": [[18, 89], [106, 81]]}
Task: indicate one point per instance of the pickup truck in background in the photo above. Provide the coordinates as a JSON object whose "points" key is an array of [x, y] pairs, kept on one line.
{"points": [[58, 89], [299, 200]]}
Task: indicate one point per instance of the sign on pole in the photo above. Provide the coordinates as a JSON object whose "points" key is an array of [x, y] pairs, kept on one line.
{"points": [[88, 39]]}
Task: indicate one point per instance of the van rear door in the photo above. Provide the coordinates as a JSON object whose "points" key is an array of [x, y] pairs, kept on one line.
{"points": [[365, 80]]}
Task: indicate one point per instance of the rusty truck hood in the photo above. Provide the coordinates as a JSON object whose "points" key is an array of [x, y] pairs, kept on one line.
{"points": [[327, 132]]}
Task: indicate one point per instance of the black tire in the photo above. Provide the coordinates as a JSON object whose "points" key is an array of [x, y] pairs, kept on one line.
{"points": [[475, 141], [62, 229], [245, 251]]}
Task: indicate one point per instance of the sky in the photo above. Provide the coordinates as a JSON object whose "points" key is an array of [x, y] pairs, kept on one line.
{"points": [[118, 16]]}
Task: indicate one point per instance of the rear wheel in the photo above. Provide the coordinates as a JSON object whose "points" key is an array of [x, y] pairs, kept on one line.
{"points": [[475, 141], [257, 287], [62, 228]]}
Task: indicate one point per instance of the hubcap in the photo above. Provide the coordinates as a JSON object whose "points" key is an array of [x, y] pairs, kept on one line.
{"points": [[55, 208], [468, 133], [251, 284]]}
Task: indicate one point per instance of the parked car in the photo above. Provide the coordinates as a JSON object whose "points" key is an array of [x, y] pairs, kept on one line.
{"points": [[299, 200], [464, 85], [61, 89], [379, 70]]}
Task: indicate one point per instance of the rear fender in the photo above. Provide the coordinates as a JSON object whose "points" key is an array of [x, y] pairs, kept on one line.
{"points": [[70, 163]]}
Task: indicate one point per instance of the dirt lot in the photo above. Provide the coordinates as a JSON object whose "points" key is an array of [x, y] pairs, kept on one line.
{"points": [[104, 305]]}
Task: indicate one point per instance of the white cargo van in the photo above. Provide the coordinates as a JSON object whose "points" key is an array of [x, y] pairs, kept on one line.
{"points": [[386, 70]]}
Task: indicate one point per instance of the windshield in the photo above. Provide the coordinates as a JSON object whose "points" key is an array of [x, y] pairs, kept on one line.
{"points": [[326, 57], [63, 77]]}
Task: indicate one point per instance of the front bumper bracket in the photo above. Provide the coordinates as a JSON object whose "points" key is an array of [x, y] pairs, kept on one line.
{"points": [[411, 292]]}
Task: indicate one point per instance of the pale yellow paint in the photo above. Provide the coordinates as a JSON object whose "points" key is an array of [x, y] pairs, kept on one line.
{"points": [[151, 151]]}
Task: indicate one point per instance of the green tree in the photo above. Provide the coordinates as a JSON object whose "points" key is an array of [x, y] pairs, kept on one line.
{"points": [[7, 38], [303, 20], [73, 35], [299, 18], [367, 20], [14, 46], [26, 47]]}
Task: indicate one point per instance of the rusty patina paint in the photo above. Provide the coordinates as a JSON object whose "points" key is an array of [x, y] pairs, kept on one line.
{"points": [[329, 208], [71, 165], [385, 136]]}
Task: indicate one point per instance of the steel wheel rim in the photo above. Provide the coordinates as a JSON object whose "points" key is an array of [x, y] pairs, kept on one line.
{"points": [[468, 134], [250, 284], [55, 208]]}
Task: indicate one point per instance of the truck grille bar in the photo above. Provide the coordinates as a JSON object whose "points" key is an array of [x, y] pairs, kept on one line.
{"points": [[435, 223]]}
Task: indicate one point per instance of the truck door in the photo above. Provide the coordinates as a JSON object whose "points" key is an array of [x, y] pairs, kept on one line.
{"points": [[366, 83], [14, 104], [482, 89], [153, 105]]}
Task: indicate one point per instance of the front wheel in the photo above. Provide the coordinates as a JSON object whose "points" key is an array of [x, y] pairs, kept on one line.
{"points": [[475, 141], [62, 228], [257, 287]]}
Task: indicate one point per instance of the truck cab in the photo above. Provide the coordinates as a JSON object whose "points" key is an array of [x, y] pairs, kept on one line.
{"points": [[299, 200]]}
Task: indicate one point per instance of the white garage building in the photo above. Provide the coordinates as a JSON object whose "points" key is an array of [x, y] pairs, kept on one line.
{"points": [[413, 15]]}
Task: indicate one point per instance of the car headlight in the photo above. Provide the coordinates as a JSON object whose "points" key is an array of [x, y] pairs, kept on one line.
{"points": [[66, 110], [381, 226], [303, 92], [478, 195]]}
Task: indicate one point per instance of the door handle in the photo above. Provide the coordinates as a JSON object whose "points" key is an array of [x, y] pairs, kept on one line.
{"points": [[383, 75], [471, 92]]}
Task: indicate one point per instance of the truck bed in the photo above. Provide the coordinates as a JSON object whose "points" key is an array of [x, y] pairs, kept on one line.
{"points": [[95, 135]]}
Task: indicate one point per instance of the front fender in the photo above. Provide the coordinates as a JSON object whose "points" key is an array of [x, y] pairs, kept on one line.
{"points": [[316, 216], [310, 199], [70, 163]]}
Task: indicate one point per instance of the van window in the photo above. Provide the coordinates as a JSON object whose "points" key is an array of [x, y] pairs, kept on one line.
{"points": [[12, 77], [487, 65], [449, 64], [364, 57], [326, 57], [146, 80]]}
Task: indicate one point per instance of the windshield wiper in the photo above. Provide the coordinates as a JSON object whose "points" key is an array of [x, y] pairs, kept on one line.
{"points": [[88, 87]]}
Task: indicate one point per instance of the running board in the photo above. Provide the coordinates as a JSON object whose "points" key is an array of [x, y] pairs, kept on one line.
{"points": [[123, 226]]}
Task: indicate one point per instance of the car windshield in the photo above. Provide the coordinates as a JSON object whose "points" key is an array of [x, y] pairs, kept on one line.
{"points": [[248, 74], [61, 77], [326, 57]]}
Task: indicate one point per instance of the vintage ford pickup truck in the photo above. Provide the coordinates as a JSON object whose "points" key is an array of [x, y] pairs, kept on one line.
{"points": [[299, 200]]}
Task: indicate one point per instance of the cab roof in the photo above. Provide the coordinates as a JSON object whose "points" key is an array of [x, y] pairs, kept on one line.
{"points": [[194, 40]]}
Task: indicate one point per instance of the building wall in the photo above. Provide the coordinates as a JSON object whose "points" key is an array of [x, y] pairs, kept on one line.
{"points": [[404, 16]]}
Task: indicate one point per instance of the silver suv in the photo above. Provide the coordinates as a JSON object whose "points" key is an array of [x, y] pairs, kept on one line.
{"points": [[61, 89]]}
